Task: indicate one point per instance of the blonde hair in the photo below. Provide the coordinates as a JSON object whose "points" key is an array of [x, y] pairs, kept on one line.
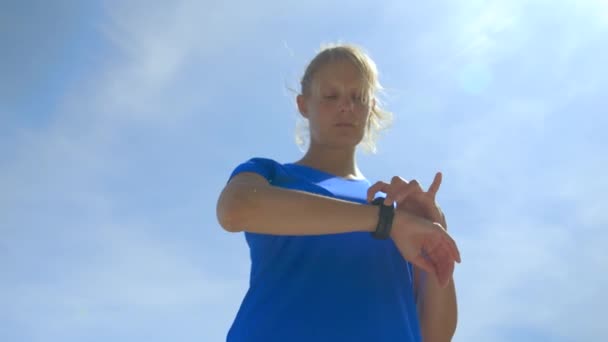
{"points": [[379, 118]]}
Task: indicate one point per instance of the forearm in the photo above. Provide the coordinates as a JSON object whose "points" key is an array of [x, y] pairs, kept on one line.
{"points": [[437, 310], [437, 306], [278, 211]]}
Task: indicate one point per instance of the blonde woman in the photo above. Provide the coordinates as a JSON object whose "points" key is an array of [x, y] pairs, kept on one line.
{"points": [[329, 261]]}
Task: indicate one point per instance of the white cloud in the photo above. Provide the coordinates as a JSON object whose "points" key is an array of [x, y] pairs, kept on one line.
{"points": [[525, 274], [521, 167], [115, 274], [518, 269]]}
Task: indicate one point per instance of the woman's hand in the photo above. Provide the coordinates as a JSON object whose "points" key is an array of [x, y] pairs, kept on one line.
{"points": [[419, 228], [425, 244], [411, 198]]}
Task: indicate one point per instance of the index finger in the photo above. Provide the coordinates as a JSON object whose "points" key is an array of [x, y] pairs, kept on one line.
{"points": [[379, 186], [435, 185]]}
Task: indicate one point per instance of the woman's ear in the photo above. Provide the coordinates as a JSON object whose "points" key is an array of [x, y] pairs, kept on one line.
{"points": [[302, 105]]}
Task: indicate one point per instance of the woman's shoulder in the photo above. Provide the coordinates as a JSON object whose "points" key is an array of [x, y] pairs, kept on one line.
{"points": [[265, 162], [265, 166]]}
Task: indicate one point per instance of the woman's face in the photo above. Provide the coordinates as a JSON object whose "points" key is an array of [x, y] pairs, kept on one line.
{"points": [[336, 108]]}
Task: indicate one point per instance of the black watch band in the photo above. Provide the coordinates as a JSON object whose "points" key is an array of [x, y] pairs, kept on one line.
{"points": [[385, 219]]}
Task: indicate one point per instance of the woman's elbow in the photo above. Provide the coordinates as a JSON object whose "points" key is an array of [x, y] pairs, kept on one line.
{"points": [[229, 213]]}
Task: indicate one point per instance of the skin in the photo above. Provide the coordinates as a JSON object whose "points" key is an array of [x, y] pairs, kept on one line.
{"points": [[332, 147], [437, 306]]}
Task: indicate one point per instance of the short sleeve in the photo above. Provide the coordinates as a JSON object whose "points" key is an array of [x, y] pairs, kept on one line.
{"points": [[262, 166]]}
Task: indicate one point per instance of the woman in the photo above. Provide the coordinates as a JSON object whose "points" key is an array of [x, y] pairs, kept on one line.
{"points": [[317, 273]]}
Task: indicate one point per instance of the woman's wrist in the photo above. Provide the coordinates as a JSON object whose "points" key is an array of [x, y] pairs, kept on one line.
{"points": [[401, 221]]}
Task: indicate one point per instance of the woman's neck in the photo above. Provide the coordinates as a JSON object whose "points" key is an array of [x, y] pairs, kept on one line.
{"points": [[340, 162]]}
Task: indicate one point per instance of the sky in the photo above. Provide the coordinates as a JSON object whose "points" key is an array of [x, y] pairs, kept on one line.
{"points": [[120, 122]]}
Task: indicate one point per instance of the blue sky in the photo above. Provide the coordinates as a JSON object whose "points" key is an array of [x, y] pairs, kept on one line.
{"points": [[121, 121]]}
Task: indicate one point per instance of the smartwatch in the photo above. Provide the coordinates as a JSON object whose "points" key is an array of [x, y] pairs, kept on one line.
{"points": [[385, 219]]}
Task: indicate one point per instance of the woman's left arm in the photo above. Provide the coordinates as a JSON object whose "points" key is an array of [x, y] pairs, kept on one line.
{"points": [[437, 307]]}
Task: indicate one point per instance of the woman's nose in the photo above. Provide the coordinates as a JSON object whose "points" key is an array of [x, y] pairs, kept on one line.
{"points": [[347, 104]]}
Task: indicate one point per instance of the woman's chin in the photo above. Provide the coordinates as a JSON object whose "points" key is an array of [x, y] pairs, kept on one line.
{"points": [[344, 144]]}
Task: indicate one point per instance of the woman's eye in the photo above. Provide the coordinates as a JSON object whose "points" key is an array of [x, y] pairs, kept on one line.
{"points": [[331, 97], [358, 98]]}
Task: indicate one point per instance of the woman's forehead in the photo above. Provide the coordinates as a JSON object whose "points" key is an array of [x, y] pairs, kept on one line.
{"points": [[341, 79], [340, 73]]}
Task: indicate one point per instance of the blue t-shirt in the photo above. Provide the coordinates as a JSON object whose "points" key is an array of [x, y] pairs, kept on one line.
{"points": [[333, 287]]}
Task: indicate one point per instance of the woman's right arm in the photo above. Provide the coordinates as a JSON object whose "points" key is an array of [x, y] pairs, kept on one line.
{"points": [[249, 203]]}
